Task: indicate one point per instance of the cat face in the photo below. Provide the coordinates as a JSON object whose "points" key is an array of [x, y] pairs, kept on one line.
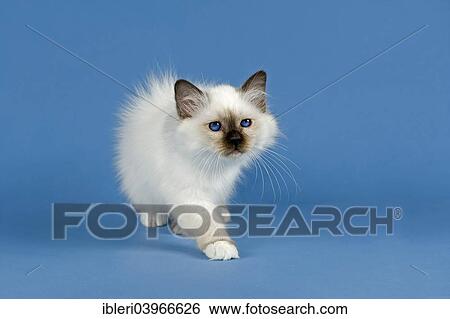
{"points": [[228, 121]]}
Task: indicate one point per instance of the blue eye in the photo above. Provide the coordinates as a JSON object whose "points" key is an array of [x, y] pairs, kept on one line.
{"points": [[246, 123], [215, 126]]}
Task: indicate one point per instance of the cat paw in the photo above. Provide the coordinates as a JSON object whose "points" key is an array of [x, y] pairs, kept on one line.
{"points": [[153, 220], [221, 250]]}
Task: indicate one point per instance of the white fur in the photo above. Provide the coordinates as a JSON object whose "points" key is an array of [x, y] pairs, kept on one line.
{"points": [[165, 160]]}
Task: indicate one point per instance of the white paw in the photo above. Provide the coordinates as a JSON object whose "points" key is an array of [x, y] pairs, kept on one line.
{"points": [[221, 250], [153, 220]]}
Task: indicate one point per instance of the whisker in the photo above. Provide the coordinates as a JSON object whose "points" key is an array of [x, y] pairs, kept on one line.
{"points": [[262, 175], [279, 173], [285, 168], [205, 164], [270, 178], [281, 146], [285, 157], [269, 167]]}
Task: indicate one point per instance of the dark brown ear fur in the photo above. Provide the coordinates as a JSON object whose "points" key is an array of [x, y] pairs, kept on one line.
{"points": [[257, 83], [188, 97]]}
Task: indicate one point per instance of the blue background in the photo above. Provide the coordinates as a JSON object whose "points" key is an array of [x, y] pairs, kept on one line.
{"points": [[379, 137]]}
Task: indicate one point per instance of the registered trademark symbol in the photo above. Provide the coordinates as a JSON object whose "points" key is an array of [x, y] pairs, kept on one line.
{"points": [[398, 213]]}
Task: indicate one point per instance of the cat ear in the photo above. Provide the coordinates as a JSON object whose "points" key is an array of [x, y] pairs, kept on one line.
{"points": [[188, 98], [255, 89]]}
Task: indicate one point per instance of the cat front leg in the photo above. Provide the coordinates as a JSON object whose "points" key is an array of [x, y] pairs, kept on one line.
{"points": [[215, 243], [152, 215], [210, 235], [153, 219]]}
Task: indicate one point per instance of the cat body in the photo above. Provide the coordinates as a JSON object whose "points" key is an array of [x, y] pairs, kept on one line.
{"points": [[187, 144]]}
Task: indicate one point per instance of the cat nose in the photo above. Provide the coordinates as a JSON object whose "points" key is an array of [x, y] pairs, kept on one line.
{"points": [[235, 138]]}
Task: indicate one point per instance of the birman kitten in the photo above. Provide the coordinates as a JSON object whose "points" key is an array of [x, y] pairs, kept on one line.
{"points": [[186, 144]]}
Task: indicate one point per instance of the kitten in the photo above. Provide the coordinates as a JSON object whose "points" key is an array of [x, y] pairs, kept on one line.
{"points": [[181, 143]]}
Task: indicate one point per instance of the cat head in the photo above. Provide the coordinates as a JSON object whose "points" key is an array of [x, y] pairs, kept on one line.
{"points": [[231, 122]]}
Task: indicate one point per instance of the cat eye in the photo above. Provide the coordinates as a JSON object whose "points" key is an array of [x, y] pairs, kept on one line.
{"points": [[246, 123], [215, 126]]}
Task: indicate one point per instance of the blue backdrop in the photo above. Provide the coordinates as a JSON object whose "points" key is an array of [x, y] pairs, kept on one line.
{"points": [[376, 133]]}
